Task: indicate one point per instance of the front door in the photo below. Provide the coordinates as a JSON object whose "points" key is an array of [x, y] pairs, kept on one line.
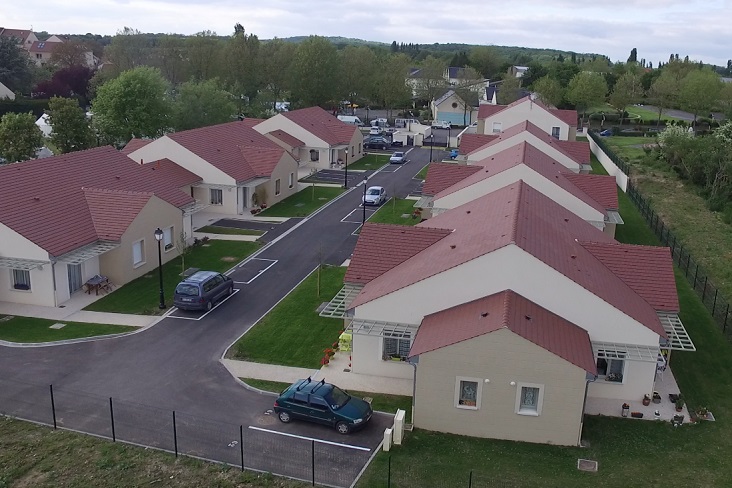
{"points": [[75, 282]]}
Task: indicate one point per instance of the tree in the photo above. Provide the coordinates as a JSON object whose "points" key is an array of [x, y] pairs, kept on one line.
{"points": [[431, 78], [549, 90], [725, 100], [128, 49], [391, 86], [20, 137], [534, 72], [357, 72], [15, 65], [510, 90], [627, 90], [72, 81], [277, 59], [204, 53], [563, 72], [467, 89], [699, 91], [486, 60], [315, 70], [170, 56], [200, 104], [633, 58], [71, 130], [664, 92], [242, 61], [460, 59], [585, 90], [69, 53], [135, 104]]}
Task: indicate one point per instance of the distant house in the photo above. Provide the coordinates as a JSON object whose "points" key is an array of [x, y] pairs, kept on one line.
{"points": [[6, 92], [560, 124], [41, 52], [24, 37], [238, 168], [452, 77], [43, 124], [517, 71], [86, 213], [453, 108]]}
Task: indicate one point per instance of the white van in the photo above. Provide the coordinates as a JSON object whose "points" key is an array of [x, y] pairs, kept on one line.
{"points": [[351, 119], [383, 123]]}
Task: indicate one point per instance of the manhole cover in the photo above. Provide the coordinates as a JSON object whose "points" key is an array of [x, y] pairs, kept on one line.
{"points": [[266, 420], [57, 326], [587, 465]]}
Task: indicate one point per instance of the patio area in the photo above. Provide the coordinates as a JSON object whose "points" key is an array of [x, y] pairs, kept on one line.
{"points": [[665, 384]]}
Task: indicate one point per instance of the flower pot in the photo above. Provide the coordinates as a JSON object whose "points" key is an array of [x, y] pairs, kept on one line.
{"points": [[625, 410], [656, 397], [646, 401]]}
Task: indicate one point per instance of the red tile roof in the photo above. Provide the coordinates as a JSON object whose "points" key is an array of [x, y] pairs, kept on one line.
{"points": [[602, 188], [506, 310], [112, 211], [44, 201], [380, 247], [21, 34], [471, 142], [283, 136], [444, 175], [577, 150], [485, 110], [43, 46], [516, 215], [176, 175], [322, 125], [134, 144], [234, 148], [569, 117], [649, 270]]}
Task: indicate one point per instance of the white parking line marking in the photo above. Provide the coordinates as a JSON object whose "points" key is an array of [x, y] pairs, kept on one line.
{"points": [[207, 312], [358, 448], [272, 263], [360, 216]]}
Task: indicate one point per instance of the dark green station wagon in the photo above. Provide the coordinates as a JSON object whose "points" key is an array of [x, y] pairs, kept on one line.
{"points": [[322, 403]]}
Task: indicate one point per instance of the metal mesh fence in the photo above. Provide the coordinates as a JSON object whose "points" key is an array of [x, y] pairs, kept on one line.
{"points": [[406, 474]]}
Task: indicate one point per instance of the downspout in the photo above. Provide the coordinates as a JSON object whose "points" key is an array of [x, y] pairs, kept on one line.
{"points": [[413, 361], [53, 277], [590, 378]]}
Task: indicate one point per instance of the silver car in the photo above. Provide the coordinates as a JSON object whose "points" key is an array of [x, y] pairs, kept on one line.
{"points": [[375, 195]]}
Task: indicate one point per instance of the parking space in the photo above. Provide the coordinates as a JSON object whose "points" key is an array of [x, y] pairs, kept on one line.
{"points": [[196, 315], [251, 269], [355, 216], [392, 168], [271, 230], [336, 177]]}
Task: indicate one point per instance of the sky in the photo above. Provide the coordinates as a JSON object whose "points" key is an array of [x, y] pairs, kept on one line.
{"points": [[657, 28]]}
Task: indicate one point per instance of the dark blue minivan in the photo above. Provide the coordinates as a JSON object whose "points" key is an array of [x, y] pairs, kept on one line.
{"points": [[202, 290]]}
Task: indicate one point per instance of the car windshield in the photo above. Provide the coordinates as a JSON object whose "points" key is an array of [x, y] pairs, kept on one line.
{"points": [[398, 154], [336, 398], [187, 290], [372, 191]]}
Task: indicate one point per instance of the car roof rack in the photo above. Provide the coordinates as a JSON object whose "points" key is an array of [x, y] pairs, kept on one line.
{"points": [[320, 383], [303, 384]]}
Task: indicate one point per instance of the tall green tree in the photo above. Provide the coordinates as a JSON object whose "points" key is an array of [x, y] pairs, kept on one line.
{"points": [[585, 90], [725, 100], [391, 86], [358, 70], [633, 58], [549, 91], [129, 48], [71, 129], [15, 66], [242, 63], [315, 72], [202, 103], [486, 60], [510, 90], [170, 56], [430, 81], [699, 91], [135, 104], [627, 90], [277, 58], [204, 55], [20, 137], [563, 72], [69, 53], [664, 92]]}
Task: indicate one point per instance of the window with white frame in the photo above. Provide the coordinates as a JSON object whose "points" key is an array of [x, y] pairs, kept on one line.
{"points": [[468, 392], [217, 196], [21, 279], [138, 253], [529, 399], [168, 238], [314, 155], [397, 344], [611, 365], [291, 180], [497, 126], [277, 186], [555, 132]]}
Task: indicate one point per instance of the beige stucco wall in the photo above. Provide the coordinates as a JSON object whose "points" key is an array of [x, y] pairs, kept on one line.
{"points": [[282, 171], [534, 114], [534, 179], [528, 137], [117, 264], [500, 358], [230, 198], [15, 245], [367, 357], [89, 268]]}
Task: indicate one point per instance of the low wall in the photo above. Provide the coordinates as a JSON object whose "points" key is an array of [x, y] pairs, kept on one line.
{"points": [[612, 169]]}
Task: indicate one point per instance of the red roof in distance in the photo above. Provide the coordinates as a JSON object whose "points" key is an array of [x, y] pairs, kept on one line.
{"points": [[322, 125], [441, 176]]}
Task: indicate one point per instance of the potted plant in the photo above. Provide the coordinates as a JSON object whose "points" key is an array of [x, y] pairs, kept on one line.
{"points": [[646, 400], [624, 411], [679, 404], [325, 360], [656, 397], [702, 412]]}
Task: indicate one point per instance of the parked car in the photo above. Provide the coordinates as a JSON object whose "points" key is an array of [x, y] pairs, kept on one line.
{"points": [[398, 158], [375, 195], [441, 124], [322, 403], [376, 142], [375, 131], [201, 290], [606, 132]]}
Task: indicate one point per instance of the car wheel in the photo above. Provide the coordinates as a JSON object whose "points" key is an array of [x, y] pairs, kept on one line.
{"points": [[209, 305], [284, 417], [343, 428], [231, 290]]}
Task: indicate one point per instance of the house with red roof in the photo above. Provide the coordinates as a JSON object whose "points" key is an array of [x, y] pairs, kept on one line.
{"points": [[591, 197], [314, 137], [596, 314], [41, 52], [65, 219], [24, 37], [560, 124], [239, 168]]}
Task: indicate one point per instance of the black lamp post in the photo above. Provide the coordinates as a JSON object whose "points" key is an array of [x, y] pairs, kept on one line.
{"points": [[432, 139], [363, 222], [449, 133], [345, 174], [159, 238]]}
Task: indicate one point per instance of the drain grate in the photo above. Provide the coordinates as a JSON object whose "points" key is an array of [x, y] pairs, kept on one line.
{"points": [[587, 465]]}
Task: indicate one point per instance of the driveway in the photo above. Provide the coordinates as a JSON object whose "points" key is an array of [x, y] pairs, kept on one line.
{"points": [[175, 364]]}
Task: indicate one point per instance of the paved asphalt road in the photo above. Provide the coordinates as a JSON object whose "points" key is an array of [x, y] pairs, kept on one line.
{"points": [[175, 365]]}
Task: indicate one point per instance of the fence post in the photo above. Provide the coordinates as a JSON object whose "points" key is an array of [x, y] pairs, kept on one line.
{"points": [[111, 414], [53, 407], [704, 291], [388, 474], [662, 240], [688, 263], [175, 435], [696, 273], [673, 249], [241, 445], [726, 314], [714, 304], [312, 458], [470, 479]]}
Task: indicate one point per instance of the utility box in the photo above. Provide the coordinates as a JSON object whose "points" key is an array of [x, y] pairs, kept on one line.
{"points": [[399, 426], [387, 439]]}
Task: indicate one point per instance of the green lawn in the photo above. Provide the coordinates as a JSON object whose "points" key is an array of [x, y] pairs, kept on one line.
{"points": [[293, 334], [422, 173], [393, 212], [630, 453], [370, 161], [302, 203], [32, 329], [215, 229], [141, 296], [381, 401]]}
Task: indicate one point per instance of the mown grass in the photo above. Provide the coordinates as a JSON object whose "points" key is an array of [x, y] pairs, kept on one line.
{"points": [[394, 212], [302, 203], [216, 229], [370, 161], [35, 330], [293, 334], [141, 296]]}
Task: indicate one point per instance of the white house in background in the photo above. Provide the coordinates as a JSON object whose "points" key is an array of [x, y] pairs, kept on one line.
{"points": [[6, 92], [451, 107], [574, 155], [239, 168], [41, 52], [314, 137], [43, 123], [24, 37], [591, 197], [518, 71], [516, 239], [86, 213], [560, 124]]}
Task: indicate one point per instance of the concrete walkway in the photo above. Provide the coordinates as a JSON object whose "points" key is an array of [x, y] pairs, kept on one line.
{"points": [[333, 373], [71, 312]]}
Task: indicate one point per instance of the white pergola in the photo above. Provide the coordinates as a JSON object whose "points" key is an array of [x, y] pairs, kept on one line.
{"points": [[630, 352], [678, 338], [21, 263], [87, 252], [381, 328], [340, 303]]}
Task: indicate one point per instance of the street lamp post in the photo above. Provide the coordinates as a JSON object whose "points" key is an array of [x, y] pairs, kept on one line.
{"points": [[345, 174], [449, 134], [159, 238], [432, 140], [363, 222]]}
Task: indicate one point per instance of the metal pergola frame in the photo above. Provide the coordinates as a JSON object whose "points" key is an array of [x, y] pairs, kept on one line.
{"points": [[380, 328], [338, 306], [22, 264], [87, 252], [628, 352], [424, 202], [678, 338], [613, 217]]}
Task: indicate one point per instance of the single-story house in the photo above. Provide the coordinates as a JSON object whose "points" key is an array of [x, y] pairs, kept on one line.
{"points": [[517, 239], [314, 137], [574, 155], [239, 168], [67, 218], [6, 92], [560, 124], [591, 197], [451, 107]]}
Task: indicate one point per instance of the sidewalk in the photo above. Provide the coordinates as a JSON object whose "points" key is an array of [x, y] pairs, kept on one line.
{"points": [[333, 373], [72, 312]]}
